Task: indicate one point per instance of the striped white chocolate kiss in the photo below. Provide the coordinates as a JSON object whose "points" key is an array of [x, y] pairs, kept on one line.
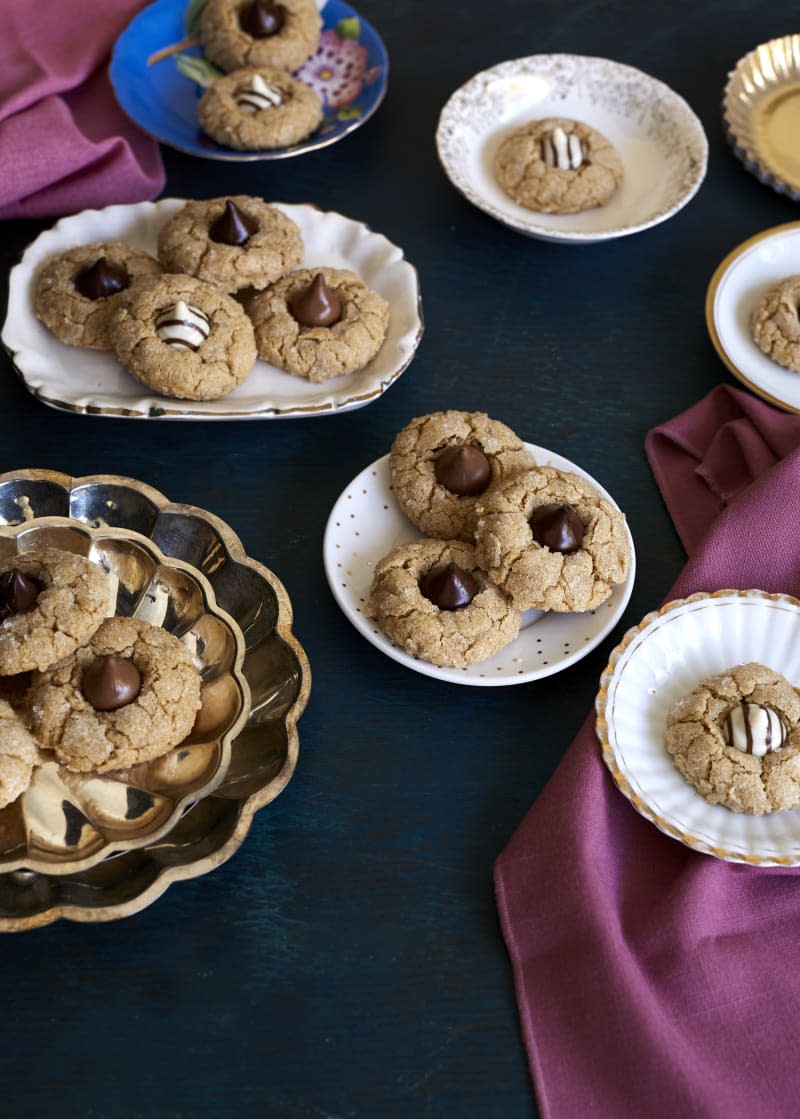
{"points": [[258, 95], [755, 729], [182, 326], [562, 151]]}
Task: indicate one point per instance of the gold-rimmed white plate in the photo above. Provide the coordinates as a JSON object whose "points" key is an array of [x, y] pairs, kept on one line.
{"points": [[93, 382], [761, 111], [665, 657], [735, 288]]}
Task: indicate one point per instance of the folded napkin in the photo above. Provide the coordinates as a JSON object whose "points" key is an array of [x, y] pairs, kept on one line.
{"points": [[65, 145], [654, 981]]}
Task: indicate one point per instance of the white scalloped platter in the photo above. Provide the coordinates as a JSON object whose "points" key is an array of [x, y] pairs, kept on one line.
{"points": [[664, 658], [366, 523], [77, 380], [659, 139], [735, 288]]}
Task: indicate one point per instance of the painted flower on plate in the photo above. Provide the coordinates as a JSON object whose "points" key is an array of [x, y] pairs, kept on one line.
{"points": [[336, 71]]}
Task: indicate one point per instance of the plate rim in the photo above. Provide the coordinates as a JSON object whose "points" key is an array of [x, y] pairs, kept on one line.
{"points": [[719, 274], [640, 803], [455, 675], [266, 155], [547, 233]]}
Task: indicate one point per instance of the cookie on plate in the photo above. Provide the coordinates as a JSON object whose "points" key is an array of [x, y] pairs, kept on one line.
{"points": [[558, 166], [551, 541], [441, 463], [183, 338], [431, 598], [76, 290], [776, 325], [238, 33], [259, 107], [735, 739], [19, 755], [129, 695], [50, 602], [319, 323], [234, 243]]}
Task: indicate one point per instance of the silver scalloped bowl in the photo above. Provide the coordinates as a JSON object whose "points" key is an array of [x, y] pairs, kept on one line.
{"points": [[761, 110], [96, 847]]}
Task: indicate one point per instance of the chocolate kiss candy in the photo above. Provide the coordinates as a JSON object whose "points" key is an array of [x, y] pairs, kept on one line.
{"points": [[449, 587], [316, 305], [104, 277], [557, 527], [110, 682], [232, 227], [262, 19], [18, 592], [464, 470]]}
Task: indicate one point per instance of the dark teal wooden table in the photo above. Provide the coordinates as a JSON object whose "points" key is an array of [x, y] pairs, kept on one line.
{"points": [[347, 961]]}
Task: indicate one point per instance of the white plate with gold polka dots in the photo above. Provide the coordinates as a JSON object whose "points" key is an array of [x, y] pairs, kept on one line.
{"points": [[366, 523]]}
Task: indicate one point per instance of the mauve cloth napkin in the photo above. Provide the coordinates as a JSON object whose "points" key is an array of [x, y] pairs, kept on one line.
{"points": [[65, 145], [654, 981]]}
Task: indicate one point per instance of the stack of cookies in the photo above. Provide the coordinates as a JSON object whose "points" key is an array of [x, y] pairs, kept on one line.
{"points": [[226, 288], [97, 692], [503, 536], [258, 104]]}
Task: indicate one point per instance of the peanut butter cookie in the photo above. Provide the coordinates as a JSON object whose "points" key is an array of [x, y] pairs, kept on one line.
{"points": [[259, 108], [183, 338], [551, 541], [51, 601], [442, 463], [776, 325], [76, 290], [431, 598], [234, 243], [18, 755], [237, 33], [319, 323], [558, 166], [736, 739], [130, 694]]}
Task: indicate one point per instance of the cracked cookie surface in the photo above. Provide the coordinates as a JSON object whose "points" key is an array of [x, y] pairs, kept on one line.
{"points": [[318, 353], [72, 317], [74, 598], [429, 504], [696, 741], [160, 716], [226, 43], [220, 363], [775, 323], [221, 115], [274, 248], [522, 171], [448, 638], [19, 755], [534, 576]]}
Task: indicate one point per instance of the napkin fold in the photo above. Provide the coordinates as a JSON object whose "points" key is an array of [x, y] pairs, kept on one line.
{"points": [[65, 145], [654, 981]]}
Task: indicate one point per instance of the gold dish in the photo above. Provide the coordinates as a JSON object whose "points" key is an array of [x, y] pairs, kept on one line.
{"points": [[761, 110], [180, 816]]}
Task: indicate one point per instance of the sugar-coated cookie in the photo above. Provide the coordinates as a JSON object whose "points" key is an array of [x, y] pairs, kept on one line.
{"points": [[259, 107], [237, 33], [776, 325], [19, 755]]}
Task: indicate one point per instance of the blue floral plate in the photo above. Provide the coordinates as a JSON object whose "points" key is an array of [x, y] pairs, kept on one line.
{"points": [[158, 78]]}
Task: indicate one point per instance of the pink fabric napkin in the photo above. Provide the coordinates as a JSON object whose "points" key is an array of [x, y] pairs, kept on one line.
{"points": [[65, 145], [654, 981]]}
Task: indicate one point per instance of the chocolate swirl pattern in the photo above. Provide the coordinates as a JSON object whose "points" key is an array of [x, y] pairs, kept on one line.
{"points": [[183, 326], [258, 95], [755, 729], [562, 151]]}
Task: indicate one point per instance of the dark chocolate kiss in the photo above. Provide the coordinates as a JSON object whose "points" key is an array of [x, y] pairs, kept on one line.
{"points": [[464, 470], [262, 19], [110, 682], [18, 592], [449, 587], [316, 305], [557, 527], [232, 227], [104, 277]]}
